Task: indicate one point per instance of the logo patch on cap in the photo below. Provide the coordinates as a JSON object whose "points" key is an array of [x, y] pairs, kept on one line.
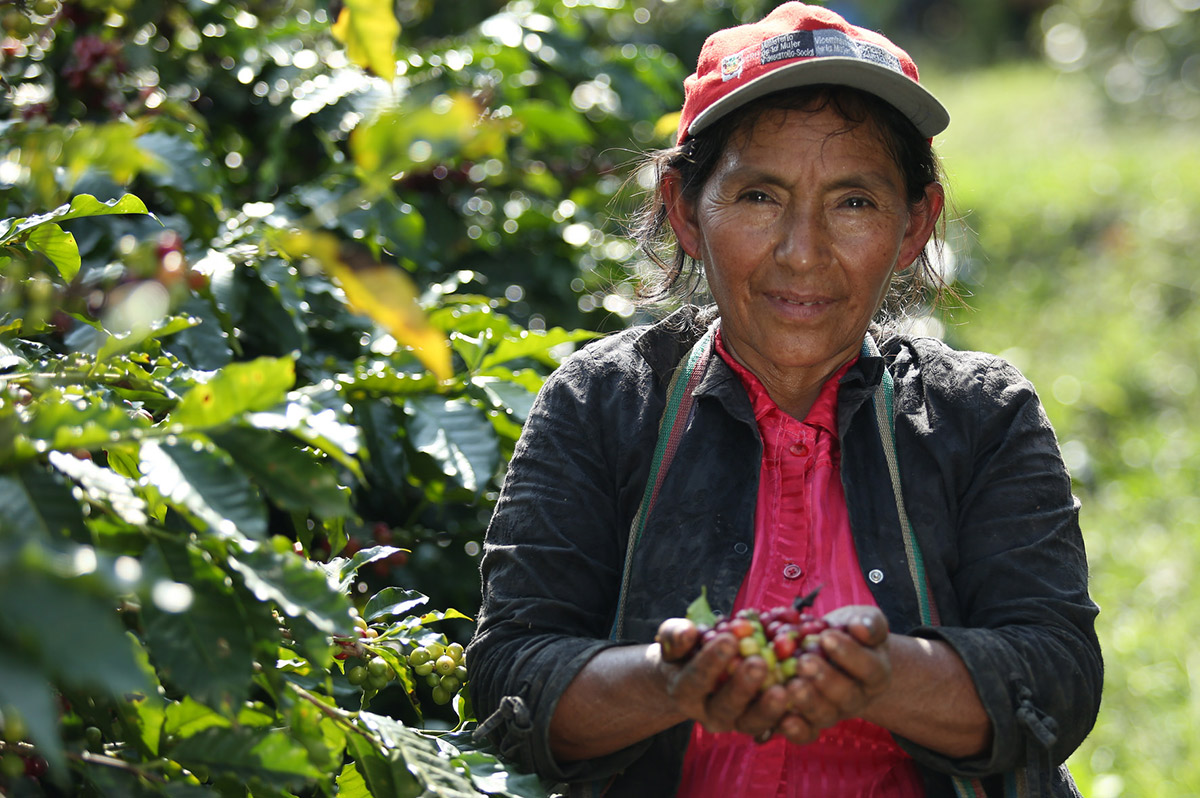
{"points": [[823, 44], [731, 66]]}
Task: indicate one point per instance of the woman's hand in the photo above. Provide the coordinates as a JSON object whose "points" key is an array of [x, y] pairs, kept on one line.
{"points": [[694, 674], [855, 671]]}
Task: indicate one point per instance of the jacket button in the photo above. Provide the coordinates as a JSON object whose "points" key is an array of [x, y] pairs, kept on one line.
{"points": [[792, 571], [740, 548], [876, 576]]}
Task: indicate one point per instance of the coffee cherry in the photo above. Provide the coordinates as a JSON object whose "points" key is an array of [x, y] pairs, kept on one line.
{"points": [[378, 667], [779, 636], [356, 675], [441, 695], [445, 665], [419, 656]]}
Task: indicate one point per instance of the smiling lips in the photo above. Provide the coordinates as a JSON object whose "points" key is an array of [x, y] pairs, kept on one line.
{"points": [[797, 302]]}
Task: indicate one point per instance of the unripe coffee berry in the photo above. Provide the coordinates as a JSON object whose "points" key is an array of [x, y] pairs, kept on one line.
{"points": [[378, 667]]}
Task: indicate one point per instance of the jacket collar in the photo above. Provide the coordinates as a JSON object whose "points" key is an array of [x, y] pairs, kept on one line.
{"points": [[665, 344]]}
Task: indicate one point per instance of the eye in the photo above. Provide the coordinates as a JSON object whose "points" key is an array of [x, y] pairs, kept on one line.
{"points": [[755, 195], [859, 202]]}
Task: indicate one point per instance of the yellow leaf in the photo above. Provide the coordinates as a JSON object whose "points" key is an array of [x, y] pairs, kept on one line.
{"points": [[368, 29], [384, 293], [667, 126]]}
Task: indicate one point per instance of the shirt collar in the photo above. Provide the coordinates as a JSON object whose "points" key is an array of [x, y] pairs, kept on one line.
{"points": [[823, 413]]}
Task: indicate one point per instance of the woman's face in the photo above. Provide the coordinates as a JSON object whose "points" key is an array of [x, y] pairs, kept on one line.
{"points": [[800, 227]]}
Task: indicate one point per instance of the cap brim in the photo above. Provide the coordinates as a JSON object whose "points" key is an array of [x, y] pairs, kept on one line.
{"points": [[908, 96]]}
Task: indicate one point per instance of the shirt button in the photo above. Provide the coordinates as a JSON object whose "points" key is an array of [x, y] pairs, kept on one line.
{"points": [[740, 548], [799, 449], [792, 571], [876, 575]]}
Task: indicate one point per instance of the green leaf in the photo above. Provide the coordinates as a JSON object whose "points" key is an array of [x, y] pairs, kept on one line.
{"points": [[103, 486], [700, 612], [489, 773], [303, 592], [57, 245], [431, 768], [66, 423], [539, 346], [67, 624], [449, 130], [202, 482], [267, 754], [195, 627], [186, 717], [393, 601], [508, 396], [33, 503], [118, 343], [382, 769], [238, 388], [342, 570], [458, 436], [295, 479], [351, 784], [23, 687], [80, 206]]}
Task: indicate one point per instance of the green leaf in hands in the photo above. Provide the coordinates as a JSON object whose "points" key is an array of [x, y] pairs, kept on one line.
{"points": [[700, 612]]}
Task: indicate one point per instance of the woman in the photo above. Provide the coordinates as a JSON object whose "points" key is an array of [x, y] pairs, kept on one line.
{"points": [[963, 654]]}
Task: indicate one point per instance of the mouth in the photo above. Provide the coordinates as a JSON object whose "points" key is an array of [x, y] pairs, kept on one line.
{"points": [[803, 302]]}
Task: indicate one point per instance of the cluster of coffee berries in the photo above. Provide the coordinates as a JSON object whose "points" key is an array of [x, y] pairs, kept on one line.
{"points": [[779, 635], [373, 675], [443, 667]]}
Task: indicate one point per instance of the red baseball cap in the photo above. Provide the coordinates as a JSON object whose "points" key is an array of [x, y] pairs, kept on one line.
{"points": [[800, 45]]}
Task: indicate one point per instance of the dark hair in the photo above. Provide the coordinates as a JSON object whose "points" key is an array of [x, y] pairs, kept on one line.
{"points": [[679, 276]]}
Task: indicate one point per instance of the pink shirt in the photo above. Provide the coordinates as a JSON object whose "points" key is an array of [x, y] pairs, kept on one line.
{"points": [[801, 539]]}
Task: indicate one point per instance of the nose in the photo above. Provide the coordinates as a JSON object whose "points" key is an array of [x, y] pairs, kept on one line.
{"points": [[802, 238]]}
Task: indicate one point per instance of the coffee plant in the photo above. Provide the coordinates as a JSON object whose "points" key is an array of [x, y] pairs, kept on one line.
{"points": [[184, 553]]}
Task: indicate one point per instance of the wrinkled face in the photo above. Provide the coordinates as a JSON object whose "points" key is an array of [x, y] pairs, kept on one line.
{"points": [[800, 227]]}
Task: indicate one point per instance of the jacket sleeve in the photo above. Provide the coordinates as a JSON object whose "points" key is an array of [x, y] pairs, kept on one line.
{"points": [[550, 570], [1024, 622]]}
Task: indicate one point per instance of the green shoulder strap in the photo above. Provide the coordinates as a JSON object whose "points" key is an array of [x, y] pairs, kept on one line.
{"points": [[670, 429]]}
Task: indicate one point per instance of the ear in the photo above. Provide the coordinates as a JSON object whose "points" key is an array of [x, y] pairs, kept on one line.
{"points": [[922, 219], [681, 214]]}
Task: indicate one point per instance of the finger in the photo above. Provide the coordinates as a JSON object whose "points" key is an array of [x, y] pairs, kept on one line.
{"points": [[869, 666], [795, 729], [821, 696], [690, 683], [678, 638], [725, 707], [763, 714], [867, 624]]}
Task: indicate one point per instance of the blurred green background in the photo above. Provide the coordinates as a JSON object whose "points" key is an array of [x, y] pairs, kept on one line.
{"points": [[1073, 166]]}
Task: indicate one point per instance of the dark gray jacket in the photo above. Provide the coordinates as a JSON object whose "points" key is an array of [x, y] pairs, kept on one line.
{"points": [[985, 489]]}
